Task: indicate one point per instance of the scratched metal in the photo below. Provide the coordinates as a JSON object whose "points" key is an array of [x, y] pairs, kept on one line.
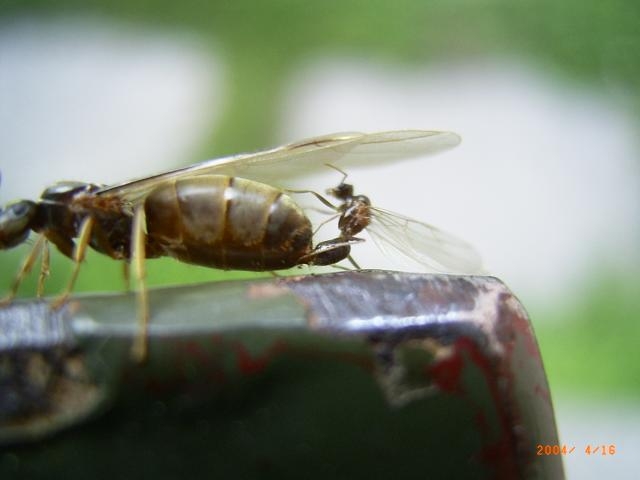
{"points": [[393, 302], [349, 375], [33, 325]]}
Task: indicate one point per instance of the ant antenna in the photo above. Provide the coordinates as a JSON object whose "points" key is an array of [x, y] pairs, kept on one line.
{"points": [[337, 169]]}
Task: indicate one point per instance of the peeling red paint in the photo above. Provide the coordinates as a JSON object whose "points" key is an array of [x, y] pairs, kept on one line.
{"points": [[251, 365], [522, 326], [500, 453], [447, 373]]}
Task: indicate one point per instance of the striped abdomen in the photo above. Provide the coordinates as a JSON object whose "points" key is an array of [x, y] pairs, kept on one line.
{"points": [[226, 222]]}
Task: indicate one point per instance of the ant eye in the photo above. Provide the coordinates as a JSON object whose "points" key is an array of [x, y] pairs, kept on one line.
{"points": [[15, 223], [363, 199], [19, 209]]}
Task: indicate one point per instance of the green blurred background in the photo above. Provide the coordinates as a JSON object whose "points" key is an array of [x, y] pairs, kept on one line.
{"points": [[588, 332]]}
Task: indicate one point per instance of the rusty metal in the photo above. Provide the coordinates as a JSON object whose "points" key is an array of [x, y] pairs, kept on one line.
{"points": [[346, 373]]}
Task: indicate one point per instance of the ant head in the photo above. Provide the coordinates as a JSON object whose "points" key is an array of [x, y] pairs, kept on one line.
{"points": [[66, 190], [343, 192], [15, 223], [362, 200]]}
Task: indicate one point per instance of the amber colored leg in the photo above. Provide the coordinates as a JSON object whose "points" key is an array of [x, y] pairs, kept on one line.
{"points": [[78, 257], [26, 267], [323, 223], [354, 263], [323, 200], [140, 345], [44, 269]]}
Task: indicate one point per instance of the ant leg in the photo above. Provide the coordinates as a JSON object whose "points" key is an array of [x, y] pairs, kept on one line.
{"points": [[44, 268], [324, 201], [354, 263], [78, 257], [138, 237], [322, 224], [347, 269], [342, 267], [330, 252], [26, 267]]}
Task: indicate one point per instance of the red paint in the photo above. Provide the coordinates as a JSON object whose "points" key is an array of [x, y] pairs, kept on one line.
{"points": [[500, 453], [499, 450], [188, 354], [446, 372], [204, 358], [522, 326], [251, 365]]}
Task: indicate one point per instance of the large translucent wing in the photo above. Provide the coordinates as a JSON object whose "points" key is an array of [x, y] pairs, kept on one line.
{"points": [[236, 165], [344, 150], [422, 244], [306, 157]]}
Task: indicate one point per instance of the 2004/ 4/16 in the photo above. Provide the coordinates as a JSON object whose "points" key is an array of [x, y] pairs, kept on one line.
{"points": [[602, 450]]}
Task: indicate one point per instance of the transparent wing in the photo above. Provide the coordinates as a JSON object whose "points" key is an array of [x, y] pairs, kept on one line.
{"points": [[306, 157], [422, 244]]}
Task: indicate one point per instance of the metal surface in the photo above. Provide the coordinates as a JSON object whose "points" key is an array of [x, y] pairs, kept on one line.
{"points": [[350, 375]]}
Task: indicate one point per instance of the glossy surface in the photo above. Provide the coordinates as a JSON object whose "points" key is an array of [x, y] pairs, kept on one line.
{"points": [[351, 374], [226, 222]]}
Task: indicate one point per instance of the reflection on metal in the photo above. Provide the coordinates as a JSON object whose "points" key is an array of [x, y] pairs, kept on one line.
{"points": [[44, 381], [441, 372]]}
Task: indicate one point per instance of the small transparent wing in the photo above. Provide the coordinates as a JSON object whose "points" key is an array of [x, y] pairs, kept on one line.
{"points": [[307, 157], [422, 244]]}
